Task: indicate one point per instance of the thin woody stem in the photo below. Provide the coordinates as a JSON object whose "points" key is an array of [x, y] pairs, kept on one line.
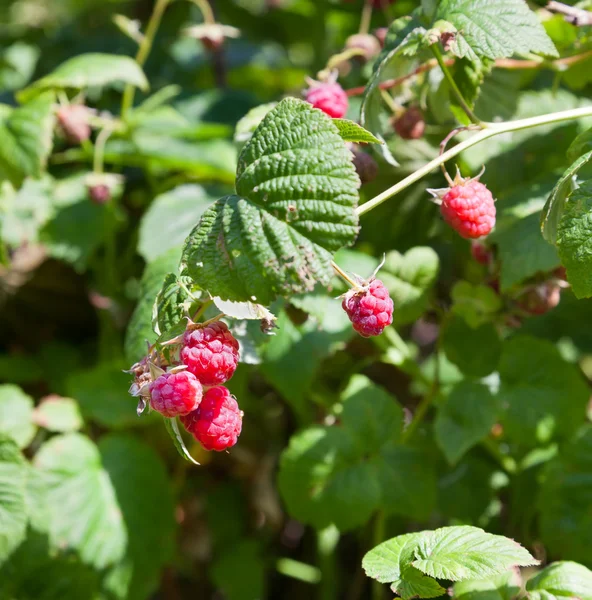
{"points": [[491, 131], [343, 274]]}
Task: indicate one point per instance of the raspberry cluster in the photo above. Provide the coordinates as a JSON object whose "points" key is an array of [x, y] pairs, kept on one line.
{"points": [[209, 356]]}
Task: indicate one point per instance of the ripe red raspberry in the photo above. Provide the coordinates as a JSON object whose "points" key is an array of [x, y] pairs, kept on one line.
{"points": [[469, 208], [210, 353], [480, 253], [175, 394], [369, 308], [218, 421], [328, 97]]}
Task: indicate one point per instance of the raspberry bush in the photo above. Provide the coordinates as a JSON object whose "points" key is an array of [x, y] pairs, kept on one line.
{"points": [[258, 342]]}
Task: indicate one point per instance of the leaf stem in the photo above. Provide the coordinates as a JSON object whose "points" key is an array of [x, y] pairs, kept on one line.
{"points": [[455, 89], [327, 540], [343, 274], [206, 11], [366, 17], [491, 131], [377, 538], [143, 52]]}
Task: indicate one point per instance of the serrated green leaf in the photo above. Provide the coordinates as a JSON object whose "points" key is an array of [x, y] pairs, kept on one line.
{"points": [[350, 131], [466, 417], [544, 396], [248, 124], [80, 500], [553, 210], [13, 507], [172, 427], [297, 190], [139, 329], [476, 304], [55, 413], [501, 587], [89, 70], [26, 134], [172, 303], [495, 28], [16, 415], [170, 218], [574, 240], [340, 475], [465, 552], [145, 499], [409, 278], [474, 350], [564, 500], [403, 42], [563, 579]]}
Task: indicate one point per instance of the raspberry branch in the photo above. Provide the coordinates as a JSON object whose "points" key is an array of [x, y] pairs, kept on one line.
{"points": [[490, 131]]}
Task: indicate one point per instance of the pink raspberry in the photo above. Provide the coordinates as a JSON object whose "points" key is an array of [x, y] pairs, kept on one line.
{"points": [[218, 421], [370, 308], [469, 208], [73, 120], [175, 394], [328, 97], [210, 353]]}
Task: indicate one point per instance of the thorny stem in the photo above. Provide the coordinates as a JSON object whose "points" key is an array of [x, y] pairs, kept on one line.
{"points": [[461, 99], [491, 131], [143, 52], [343, 274], [366, 17]]}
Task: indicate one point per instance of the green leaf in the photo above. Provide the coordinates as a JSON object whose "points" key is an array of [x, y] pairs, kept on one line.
{"points": [[574, 240], [501, 587], [145, 499], [172, 427], [553, 210], [466, 417], [522, 250], [170, 219], [25, 211], [342, 474], [474, 350], [580, 146], [80, 500], [495, 28], [390, 562], [58, 414], [13, 507], [26, 134], [17, 65], [101, 393], [544, 396], [409, 278], [297, 192], [475, 303], [458, 553], [90, 70], [248, 124], [403, 42], [564, 500], [139, 330], [350, 131], [16, 415], [172, 303], [561, 580]]}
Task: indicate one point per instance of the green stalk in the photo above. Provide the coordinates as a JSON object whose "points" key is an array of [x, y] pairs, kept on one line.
{"points": [[461, 99], [327, 540], [143, 52], [490, 131], [377, 538]]}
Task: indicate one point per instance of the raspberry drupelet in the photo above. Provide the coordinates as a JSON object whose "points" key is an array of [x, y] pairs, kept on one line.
{"points": [[175, 394], [210, 353], [369, 308], [217, 423], [328, 97]]}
